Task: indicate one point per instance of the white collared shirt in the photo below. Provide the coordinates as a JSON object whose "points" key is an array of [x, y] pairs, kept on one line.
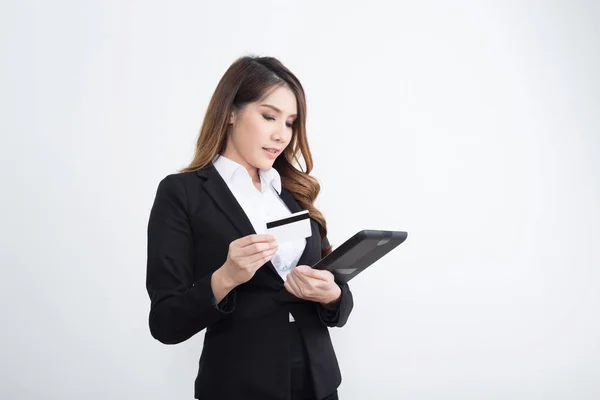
{"points": [[261, 206]]}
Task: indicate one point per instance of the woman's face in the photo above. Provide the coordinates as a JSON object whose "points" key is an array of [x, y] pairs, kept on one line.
{"points": [[262, 125]]}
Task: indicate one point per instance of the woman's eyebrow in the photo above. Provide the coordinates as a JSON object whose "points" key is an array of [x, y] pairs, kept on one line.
{"points": [[276, 109]]}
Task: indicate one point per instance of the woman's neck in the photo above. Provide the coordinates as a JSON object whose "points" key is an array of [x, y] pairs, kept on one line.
{"points": [[252, 171]]}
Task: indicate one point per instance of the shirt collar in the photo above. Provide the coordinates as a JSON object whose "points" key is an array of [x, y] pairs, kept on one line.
{"points": [[272, 177], [229, 168]]}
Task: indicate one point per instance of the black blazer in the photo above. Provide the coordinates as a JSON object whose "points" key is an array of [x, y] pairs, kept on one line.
{"points": [[246, 348]]}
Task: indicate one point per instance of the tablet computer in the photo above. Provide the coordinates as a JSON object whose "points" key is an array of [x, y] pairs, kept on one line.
{"points": [[358, 252]]}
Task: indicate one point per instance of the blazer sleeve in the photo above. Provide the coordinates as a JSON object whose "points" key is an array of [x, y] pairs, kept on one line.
{"points": [[336, 315], [180, 306]]}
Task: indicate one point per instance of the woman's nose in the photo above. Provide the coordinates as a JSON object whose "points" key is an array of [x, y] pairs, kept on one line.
{"points": [[279, 135], [278, 140]]}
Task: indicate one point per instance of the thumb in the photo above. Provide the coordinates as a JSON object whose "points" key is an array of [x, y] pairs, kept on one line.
{"points": [[310, 272]]}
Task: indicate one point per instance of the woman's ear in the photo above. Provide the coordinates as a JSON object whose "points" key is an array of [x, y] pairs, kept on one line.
{"points": [[232, 117]]}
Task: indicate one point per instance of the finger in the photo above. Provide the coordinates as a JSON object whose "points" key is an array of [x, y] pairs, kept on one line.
{"points": [[295, 286], [307, 285], [269, 253], [313, 273], [300, 276], [290, 288], [257, 248], [256, 238], [260, 262]]}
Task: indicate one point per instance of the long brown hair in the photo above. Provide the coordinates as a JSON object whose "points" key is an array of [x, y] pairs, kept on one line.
{"points": [[248, 80]]}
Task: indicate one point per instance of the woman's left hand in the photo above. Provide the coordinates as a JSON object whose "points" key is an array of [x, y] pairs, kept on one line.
{"points": [[311, 284]]}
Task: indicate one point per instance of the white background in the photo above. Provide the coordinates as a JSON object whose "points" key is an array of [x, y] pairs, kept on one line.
{"points": [[474, 126]]}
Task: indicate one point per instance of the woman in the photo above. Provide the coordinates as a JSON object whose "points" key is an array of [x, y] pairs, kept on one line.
{"points": [[211, 265]]}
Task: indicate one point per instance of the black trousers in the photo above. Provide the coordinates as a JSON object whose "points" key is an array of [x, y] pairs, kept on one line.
{"points": [[302, 386]]}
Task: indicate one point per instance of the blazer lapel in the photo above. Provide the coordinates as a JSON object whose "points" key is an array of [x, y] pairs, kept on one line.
{"points": [[225, 200]]}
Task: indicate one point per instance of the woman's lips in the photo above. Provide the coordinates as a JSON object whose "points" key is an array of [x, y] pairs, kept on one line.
{"points": [[272, 156]]}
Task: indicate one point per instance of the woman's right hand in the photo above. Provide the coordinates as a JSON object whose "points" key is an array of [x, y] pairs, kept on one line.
{"points": [[246, 255]]}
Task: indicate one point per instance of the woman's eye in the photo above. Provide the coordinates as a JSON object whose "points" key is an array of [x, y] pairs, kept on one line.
{"points": [[270, 118]]}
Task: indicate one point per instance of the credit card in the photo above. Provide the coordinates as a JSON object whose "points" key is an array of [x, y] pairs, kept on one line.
{"points": [[291, 227]]}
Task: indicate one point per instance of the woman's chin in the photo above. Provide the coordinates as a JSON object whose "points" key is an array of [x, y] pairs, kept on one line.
{"points": [[265, 164]]}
